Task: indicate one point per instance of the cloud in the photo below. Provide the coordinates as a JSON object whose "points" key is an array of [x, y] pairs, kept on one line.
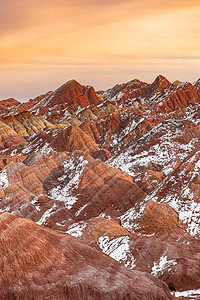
{"points": [[86, 34]]}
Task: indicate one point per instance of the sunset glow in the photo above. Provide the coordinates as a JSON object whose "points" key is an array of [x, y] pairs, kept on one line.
{"points": [[45, 43]]}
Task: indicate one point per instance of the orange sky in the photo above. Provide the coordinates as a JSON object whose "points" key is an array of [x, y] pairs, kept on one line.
{"points": [[44, 43]]}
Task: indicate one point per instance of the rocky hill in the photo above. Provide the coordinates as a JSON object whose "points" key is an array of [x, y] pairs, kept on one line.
{"points": [[100, 193]]}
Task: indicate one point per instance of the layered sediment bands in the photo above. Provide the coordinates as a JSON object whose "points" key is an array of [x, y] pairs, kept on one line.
{"points": [[159, 84], [23, 188], [19, 107], [7, 105], [6, 159], [182, 188], [73, 138], [160, 149], [182, 97], [32, 173], [71, 95], [105, 190], [8, 137], [3, 109], [32, 123], [120, 171], [86, 186], [103, 130], [26, 123], [159, 97], [61, 139], [15, 125], [40, 263], [175, 262], [134, 84], [137, 89], [159, 219], [116, 129], [91, 230]]}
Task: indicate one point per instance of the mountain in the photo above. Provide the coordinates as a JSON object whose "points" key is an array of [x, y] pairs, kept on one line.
{"points": [[100, 192], [71, 95], [44, 264]]}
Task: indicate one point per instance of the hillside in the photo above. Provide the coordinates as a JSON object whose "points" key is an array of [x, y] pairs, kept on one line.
{"points": [[100, 193]]}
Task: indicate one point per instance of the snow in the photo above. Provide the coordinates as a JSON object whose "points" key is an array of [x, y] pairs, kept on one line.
{"points": [[62, 194], [66, 114], [104, 215], [191, 294], [80, 209], [14, 152], [118, 249], [34, 201], [166, 153], [59, 224], [189, 214], [131, 215], [46, 215], [46, 149], [76, 229], [117, 97], [4, 183], [69, 182], [117, 138], [162, 265]]}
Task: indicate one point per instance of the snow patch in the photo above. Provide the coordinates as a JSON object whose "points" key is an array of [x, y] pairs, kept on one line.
{"points": [[80, 209], [192, 294], [118, 249], [4, 183], [46, 215], [162, 265], [69, 181], [76, 229]]}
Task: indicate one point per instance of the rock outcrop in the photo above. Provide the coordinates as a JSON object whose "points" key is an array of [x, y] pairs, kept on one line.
{"points": [[26, 123], [173, 260], [8, 137], [40, 263], [78, 183], [71, 95]]}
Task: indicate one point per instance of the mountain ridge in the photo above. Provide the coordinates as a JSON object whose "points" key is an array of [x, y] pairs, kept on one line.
{"points": [[114, 173]]}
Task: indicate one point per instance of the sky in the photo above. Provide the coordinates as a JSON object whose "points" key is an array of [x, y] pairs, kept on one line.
{"points": [[44, 43]]}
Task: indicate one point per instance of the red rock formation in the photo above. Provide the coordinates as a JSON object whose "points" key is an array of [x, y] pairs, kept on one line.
{"points": [[161, 96], [103, 189], [41, 263], [71, 95], [135, 89], [87, 187], [9, 103], [6, 159], [18, 107], [181, 97], [160, 220], [160, 149], [130, 155], [73, 138], [3, 109], [8, 137], [176, 263], [26, 123]]}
